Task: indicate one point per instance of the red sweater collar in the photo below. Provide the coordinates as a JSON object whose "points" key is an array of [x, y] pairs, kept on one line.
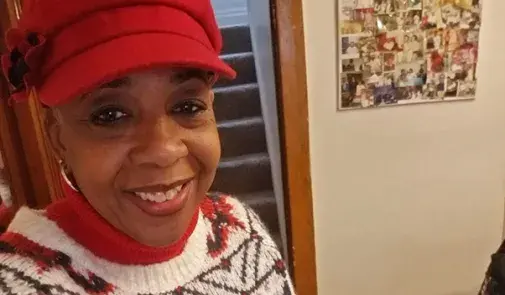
{"points": [[79, 220]]}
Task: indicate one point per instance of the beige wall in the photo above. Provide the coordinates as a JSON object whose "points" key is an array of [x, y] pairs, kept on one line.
{"points": [[408, 200]]}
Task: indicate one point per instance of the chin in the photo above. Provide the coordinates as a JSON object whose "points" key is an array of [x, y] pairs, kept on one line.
{"points": [[162, 224]]}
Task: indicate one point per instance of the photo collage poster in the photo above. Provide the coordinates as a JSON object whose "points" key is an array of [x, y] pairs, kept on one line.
{"points": [[407, 51]]}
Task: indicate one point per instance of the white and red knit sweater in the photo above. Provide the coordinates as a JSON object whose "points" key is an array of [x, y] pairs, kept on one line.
{"points": [[69, 249]]}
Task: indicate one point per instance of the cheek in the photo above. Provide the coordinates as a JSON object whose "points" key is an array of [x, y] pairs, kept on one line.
{"points": [[206, 149], [94, 164]]}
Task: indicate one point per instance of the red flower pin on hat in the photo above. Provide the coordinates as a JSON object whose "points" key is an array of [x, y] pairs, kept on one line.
{"points": [[20, 65]]}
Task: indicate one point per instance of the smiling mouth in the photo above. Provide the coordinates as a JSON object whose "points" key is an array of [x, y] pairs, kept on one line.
{"points": [[160, 193], [161, 199], [161, 196]]}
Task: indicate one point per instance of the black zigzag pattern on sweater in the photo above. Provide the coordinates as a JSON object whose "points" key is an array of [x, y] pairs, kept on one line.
{"points": [[33, 286], [209, 280], [247, 270], [494, 282]]}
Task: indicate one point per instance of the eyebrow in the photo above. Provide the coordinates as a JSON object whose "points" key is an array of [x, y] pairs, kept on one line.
{"points": [[117, 83], [180, 77]]}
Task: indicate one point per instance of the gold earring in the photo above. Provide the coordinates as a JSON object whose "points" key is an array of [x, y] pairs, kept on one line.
{"points": [[66, 178]]}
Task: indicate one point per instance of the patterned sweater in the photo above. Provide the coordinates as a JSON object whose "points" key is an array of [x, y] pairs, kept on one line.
{"points": [[494, 282], [226, 251]]}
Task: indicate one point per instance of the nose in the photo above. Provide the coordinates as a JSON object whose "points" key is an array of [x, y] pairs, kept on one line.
{"points": [[158, 143]]}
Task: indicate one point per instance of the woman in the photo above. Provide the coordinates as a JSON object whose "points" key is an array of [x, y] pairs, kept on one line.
{"points": [[375, 62], [401, 4], [380, 7], [361, 94], [127, 85], [494, 282]]}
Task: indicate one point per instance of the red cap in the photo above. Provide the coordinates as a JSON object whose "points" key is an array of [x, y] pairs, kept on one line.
{"points": [[65, 48]]}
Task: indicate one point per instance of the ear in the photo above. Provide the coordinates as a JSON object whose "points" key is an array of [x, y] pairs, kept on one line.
{"points": [[212, 96], [52, 124]]}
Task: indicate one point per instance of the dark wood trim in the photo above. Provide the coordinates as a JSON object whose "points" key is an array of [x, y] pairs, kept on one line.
{"points": [[16, 168], [289, 48], [13, 10], [42, 169]]}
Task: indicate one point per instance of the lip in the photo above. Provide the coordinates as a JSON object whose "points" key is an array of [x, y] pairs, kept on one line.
{"points": [[160, 187], [168, 207]]}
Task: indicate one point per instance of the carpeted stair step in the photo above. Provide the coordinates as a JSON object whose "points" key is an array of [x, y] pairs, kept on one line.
{"points": [[244, 175], [242, 136], [234, 102], [243, 64], [236, 39], [244, 170]]}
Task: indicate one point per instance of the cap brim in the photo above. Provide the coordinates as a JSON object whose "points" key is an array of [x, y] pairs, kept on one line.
{"points": [[124, 55]]}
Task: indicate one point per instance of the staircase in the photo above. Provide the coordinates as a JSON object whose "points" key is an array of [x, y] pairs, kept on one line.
{"points": [[244, 171]]}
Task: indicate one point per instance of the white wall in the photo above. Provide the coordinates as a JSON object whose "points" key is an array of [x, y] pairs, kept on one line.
{"points": [[408, 200]]}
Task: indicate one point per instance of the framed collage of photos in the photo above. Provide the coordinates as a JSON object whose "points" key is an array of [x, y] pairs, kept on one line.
{"points": [[394, 52]]}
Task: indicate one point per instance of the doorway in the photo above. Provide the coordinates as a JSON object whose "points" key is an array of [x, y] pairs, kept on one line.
{"points": [[246, 112]]}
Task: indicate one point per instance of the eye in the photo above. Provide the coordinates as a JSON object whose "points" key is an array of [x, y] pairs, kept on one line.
{"points": [[108, 116], [189, 107]]}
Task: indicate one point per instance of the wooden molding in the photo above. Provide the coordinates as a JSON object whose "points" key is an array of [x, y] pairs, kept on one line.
{"points": [[289, 48], [16, 171], [14, 11], [48, 161], [42, 169]]}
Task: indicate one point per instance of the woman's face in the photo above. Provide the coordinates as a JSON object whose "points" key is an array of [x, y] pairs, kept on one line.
{"points": [[143, 150]]}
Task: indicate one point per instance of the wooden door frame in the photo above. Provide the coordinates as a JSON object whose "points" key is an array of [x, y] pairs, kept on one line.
{"points": [[292, 96], [16, 167], [34, 165]]}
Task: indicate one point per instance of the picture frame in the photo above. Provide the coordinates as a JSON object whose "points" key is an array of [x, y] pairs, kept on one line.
{"points": [[400, 52]]}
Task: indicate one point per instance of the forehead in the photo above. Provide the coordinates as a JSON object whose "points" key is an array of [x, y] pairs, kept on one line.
{"points": [[170, 76], [174, 77]]}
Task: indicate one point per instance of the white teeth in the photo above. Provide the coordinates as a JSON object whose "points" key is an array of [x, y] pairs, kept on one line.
{"points": [[143, 196], [160, 197], [173, 192]]}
